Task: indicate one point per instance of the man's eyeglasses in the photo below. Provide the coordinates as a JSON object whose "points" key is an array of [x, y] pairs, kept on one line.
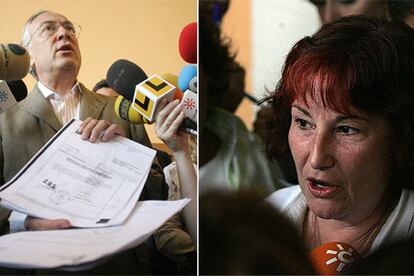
{"points": [[50, 28]]}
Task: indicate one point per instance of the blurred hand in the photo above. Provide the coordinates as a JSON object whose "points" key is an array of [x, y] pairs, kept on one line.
{"points": [[94, 130], [167, 122], [32, 223]]}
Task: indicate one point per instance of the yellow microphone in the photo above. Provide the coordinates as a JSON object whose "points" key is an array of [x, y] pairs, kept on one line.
{"points": [[125, 111]]}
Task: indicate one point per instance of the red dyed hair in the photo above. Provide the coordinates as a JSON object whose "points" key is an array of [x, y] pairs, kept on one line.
{"points": [[357, 63]]}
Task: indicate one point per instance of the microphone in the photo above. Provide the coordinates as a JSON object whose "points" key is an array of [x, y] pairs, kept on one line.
{"points": [[187, 43], [190, 106], [140, 95], [11, 92], [125, 111], [331, 258], [187, 77], [149, 93], [173, 79], [14, 62], [123, 76], [130, 81]]}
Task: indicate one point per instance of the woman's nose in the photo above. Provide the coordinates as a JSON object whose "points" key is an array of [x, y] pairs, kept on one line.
{"points": [[321, 152]]}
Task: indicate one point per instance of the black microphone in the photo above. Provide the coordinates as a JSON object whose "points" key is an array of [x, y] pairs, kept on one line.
{"points": [[123, 76], [251, 98], [11, 92]]}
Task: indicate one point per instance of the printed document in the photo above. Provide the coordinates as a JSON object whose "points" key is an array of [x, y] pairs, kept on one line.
{"points": [[90, 184], [67, 249]]}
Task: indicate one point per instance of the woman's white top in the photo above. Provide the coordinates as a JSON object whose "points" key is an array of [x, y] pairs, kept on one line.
{"points": [[399, 226]]}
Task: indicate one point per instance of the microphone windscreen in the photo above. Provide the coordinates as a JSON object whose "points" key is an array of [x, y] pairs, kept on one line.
{"points": [[187, 43], [123, 76], [192, 85], [173, 79], [124, 110], [18, 88], [187, 74], [14, 62], [187, 123], [333, 257]]}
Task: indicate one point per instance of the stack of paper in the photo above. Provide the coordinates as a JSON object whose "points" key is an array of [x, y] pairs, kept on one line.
{"points": [[90, 184], [53, 249], [93, 185]]}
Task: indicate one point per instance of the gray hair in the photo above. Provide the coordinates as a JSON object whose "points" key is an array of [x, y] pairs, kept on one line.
{"points": [[26, 38]]}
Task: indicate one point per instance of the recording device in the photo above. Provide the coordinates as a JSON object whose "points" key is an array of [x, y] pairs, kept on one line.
{"points": [[125, 111], [187, 74], [144, 93], [149, 93], [11, 92], [333, 257], [173, 79], [123, 76], [252, 98], [187, 43], [190, 106], [14, 62], [141, 94], [187, 81]]}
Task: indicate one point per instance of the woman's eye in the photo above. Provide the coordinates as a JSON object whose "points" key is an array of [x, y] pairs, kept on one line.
{"points": [[347, 130], [318, 3], [303, 124], [347, 2]]}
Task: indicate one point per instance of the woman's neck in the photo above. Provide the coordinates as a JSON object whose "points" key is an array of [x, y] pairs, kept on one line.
{"points": [[360, 235]]}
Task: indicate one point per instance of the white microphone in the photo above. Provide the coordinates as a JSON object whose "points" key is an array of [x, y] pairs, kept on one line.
{"points": [[11, 92], [149, 93]]}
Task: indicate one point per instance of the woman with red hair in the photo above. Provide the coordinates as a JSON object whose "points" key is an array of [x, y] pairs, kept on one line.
{"points": [[344, 108]]}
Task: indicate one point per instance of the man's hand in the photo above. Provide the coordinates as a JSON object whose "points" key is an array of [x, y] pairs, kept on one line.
{"points": [[32, 223], [94, 130]]}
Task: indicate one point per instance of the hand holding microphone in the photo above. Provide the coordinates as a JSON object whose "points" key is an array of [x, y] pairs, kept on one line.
{"points": [[169, 120]]}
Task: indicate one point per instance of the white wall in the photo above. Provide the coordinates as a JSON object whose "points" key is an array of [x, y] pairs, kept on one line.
{"points": [[276, 26]]}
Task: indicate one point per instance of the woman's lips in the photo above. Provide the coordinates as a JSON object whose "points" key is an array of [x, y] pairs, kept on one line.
{"points": [[322, 189]]}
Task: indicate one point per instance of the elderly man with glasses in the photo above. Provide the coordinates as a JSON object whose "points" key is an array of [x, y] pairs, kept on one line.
{"points": [[55, 60]]}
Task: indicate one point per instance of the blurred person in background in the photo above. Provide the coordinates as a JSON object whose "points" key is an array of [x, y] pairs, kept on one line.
{"points": [[332, 10], [230, 157], [177, 238], [240, 234], [402, 10]]}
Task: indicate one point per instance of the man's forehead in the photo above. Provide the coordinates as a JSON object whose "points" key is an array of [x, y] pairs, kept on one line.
{"points": [[47, 16]]}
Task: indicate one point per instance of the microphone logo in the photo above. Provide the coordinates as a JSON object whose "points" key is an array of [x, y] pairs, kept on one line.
{"points": [[333, 257], [342, 256], [3, 96], [189, 104]]}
